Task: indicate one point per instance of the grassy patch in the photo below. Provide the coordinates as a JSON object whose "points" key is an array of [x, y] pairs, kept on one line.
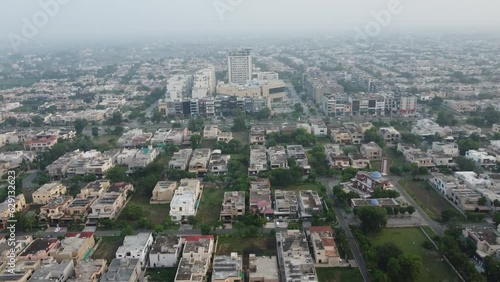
{"points": [[260, 246], [322, 141], [161, 274], [339, 274], [426, 197], [318, 187], [394, 156], [157, 214], [210, 206], [102, 142], [241, 136], [410, 240], [107, 248], [375, 165]]}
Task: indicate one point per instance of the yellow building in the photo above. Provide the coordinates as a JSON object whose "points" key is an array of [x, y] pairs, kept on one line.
{"points": [[6, 211], [274, 91], [48, 191]]}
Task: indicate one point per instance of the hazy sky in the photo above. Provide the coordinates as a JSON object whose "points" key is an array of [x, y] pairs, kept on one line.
{"points": [[108, 18]]}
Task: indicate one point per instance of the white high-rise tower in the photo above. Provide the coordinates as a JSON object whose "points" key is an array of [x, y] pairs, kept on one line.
{"points": [[239, 64]]}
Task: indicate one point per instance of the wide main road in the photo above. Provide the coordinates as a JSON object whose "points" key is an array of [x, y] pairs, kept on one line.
{"points": [[358, 257]]}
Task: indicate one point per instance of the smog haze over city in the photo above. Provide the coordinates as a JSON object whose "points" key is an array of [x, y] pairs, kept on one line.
{"points": [[250, 140]]}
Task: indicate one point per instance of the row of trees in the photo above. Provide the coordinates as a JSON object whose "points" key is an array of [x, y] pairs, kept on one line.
{"points": [[299, 136]]}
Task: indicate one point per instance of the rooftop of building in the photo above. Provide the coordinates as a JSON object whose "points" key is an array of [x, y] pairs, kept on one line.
{"points": [[225, 267], [120, 270], [165, 245]]}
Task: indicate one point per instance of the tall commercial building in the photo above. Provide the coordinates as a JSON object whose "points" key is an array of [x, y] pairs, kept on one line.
{"points": [[239, 66]]}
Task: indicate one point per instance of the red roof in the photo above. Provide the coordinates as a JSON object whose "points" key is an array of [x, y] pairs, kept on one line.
{"points": [[317, 229], [80, 235], [198, 237]]}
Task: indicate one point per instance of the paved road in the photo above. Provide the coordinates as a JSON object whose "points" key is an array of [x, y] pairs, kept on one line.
{"points": [[437, 227], [27, 181], [169, 232], [358, 257]]}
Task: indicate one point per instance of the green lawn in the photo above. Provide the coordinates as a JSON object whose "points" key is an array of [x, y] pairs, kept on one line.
{"points": [[426, 197], [156, 213], [107, 248], [318, 187], [161, 274], [410, 240], [210, 206], [339, 274], [260, 246]]}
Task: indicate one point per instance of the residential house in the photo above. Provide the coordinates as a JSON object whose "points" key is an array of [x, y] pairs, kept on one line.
{"points": [[294, 258], [233, 206], [262, 269], [47, 192], [277, 157], [390, 135], [335, 157], [319, 128], [340, 135], [94, 188], [367, 182], [211, 132], [185, 201], [123, 270], [285, 203], [78, 209], [136, 247], [180, 160], [260, 197], [225, 136], [39, 249], [371, 151], [165, 251], [134, 137], [50, 270], [258, 160], [481, 158], [257, 136], [195, 260], [447, 148], [227, 268], [55, 209], [218, 163], [309, 203], [163, 192], [199, 161], [487, 240], [89, 270], [323, 245], [297, 153], [9, 207], [74, 247], [358, 161]]}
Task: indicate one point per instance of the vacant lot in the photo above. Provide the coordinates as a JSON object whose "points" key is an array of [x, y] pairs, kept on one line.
{"points": [[210, 205], [241, 136], [318, 187], [157, 214], [161, 274], [107, 248], [260, 246], [410, 240], [426, 197], [339, 274]]}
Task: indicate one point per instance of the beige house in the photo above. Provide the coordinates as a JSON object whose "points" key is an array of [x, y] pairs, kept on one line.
{"points": [[74, 247], [78, 209], [5, 209], [262, 269], [257, 136], [48, 191], [323, 244], [89, 270], [55, 208], [340, 135], [199, 161], [95, 188], [211, 132], [163, 192], [227, 268], [487, 240], [371, 150], [358, 161], [225, 136], [107, 206], [233, 205]]}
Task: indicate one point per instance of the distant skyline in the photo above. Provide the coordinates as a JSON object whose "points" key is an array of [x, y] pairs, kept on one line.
{"points": [[94, 19]]}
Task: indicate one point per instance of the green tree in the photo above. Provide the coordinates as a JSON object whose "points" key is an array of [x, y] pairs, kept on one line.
{"points": [[410, 210], [492, 269], [117, 174], [128, 230], [80, 125], [449, 214], [118, 130], [385, 252], [12, 121], [263, 114], [37, 120], [372, 135], [95, 131], [482, 201], [158, 228], [156, 117], [195, 141], [373, 219], [239, 123], [132, 212], [89, 177], [467, 144], [196, 124]]}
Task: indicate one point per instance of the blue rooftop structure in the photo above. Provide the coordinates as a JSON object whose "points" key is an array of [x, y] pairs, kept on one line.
{"points": [[376, 175], [374, 202]]}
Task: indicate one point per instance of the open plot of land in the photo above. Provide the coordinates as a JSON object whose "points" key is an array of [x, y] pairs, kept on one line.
{"points": [[410, 240], [107, 248], [210, 205], [427, 198], [318, 187], [339, 274], [161, 274], [157, 214], [241, 136], [260, 246]]}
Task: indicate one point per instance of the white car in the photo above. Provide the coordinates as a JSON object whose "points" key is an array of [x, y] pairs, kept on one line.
{"points": [[57, 229]]}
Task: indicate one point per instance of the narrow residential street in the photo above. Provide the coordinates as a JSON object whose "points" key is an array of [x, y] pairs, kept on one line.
{"points": [[358, 257]]}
